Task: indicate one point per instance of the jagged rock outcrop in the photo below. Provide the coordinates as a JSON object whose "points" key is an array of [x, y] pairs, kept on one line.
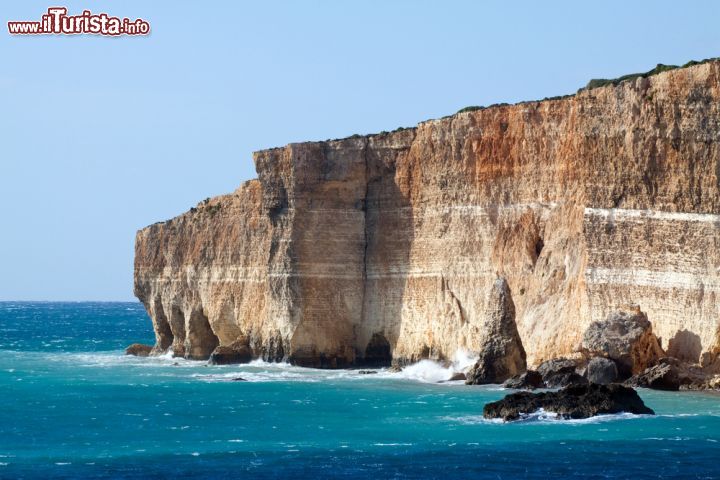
{"points": [[674, 374], [662, 376], [502, 354], [626, 337], [575, 401], [385, 247]]}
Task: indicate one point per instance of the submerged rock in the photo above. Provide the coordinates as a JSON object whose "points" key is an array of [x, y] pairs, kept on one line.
{"points": [[367, 372], [239, 379], [529, 380], [601, 370], [626, 337], [139, 350], [501, 354], [575, 401]]}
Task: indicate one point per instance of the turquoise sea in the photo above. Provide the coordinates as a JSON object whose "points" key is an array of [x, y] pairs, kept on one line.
{"points": [[73, 406]]}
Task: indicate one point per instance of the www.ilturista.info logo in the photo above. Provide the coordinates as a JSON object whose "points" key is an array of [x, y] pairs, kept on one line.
{"points": [[57, 22]]}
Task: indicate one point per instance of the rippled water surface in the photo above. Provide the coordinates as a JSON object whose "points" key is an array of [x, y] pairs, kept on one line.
{"points": [[75, 406]]}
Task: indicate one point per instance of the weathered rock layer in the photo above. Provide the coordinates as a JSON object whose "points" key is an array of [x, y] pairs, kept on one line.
{"points": [[386, 247]]}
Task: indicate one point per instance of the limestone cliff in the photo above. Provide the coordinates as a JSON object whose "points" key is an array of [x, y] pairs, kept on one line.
{"points": [[388, 245]]}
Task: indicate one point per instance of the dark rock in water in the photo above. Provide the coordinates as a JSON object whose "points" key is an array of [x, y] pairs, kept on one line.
{"points": [[139, 350], [624, 336], [529, 380], [367, 372], [502, 354], [455, 377], [237, 352], [239, 379], [575, 401], [601, 370], [395, 369]]}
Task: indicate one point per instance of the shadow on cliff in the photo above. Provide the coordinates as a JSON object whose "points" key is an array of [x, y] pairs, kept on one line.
{"points": [[389, 234], [685, 346]]}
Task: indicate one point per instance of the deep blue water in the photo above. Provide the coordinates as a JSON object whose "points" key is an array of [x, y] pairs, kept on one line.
{"points": [[74, 406]]}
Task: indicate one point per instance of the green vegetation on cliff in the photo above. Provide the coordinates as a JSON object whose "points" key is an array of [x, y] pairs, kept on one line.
{"points": [[659, 68]]}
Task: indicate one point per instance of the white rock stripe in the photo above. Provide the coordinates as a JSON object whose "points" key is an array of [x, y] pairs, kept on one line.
{"points": [[622, 213], [651, 278]]}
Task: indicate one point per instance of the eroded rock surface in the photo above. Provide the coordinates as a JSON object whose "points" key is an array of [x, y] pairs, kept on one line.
{"points": [[502, 354], [601, 370], [626, 337], [349, 251]]}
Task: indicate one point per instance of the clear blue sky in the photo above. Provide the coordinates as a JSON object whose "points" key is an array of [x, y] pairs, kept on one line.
{"points": [[102, 136]]}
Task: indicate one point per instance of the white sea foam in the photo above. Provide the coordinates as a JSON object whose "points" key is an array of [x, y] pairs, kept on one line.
{"points": [[669, 439], [544, 417], [431, 371], [108, 359], [427, 371], [678, 415]]}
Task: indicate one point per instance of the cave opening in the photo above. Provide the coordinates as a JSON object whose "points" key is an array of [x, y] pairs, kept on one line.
{"points": [[378, 352]]}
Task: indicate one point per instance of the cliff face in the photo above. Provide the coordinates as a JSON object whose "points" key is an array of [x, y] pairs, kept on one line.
{"points": [[362, 249]]}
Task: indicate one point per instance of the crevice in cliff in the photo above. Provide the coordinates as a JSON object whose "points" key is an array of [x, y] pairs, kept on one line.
{"points": [[454, 301], [364, 207]]}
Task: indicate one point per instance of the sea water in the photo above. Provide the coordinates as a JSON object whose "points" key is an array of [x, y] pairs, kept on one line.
{"points": [[74, 406]]}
